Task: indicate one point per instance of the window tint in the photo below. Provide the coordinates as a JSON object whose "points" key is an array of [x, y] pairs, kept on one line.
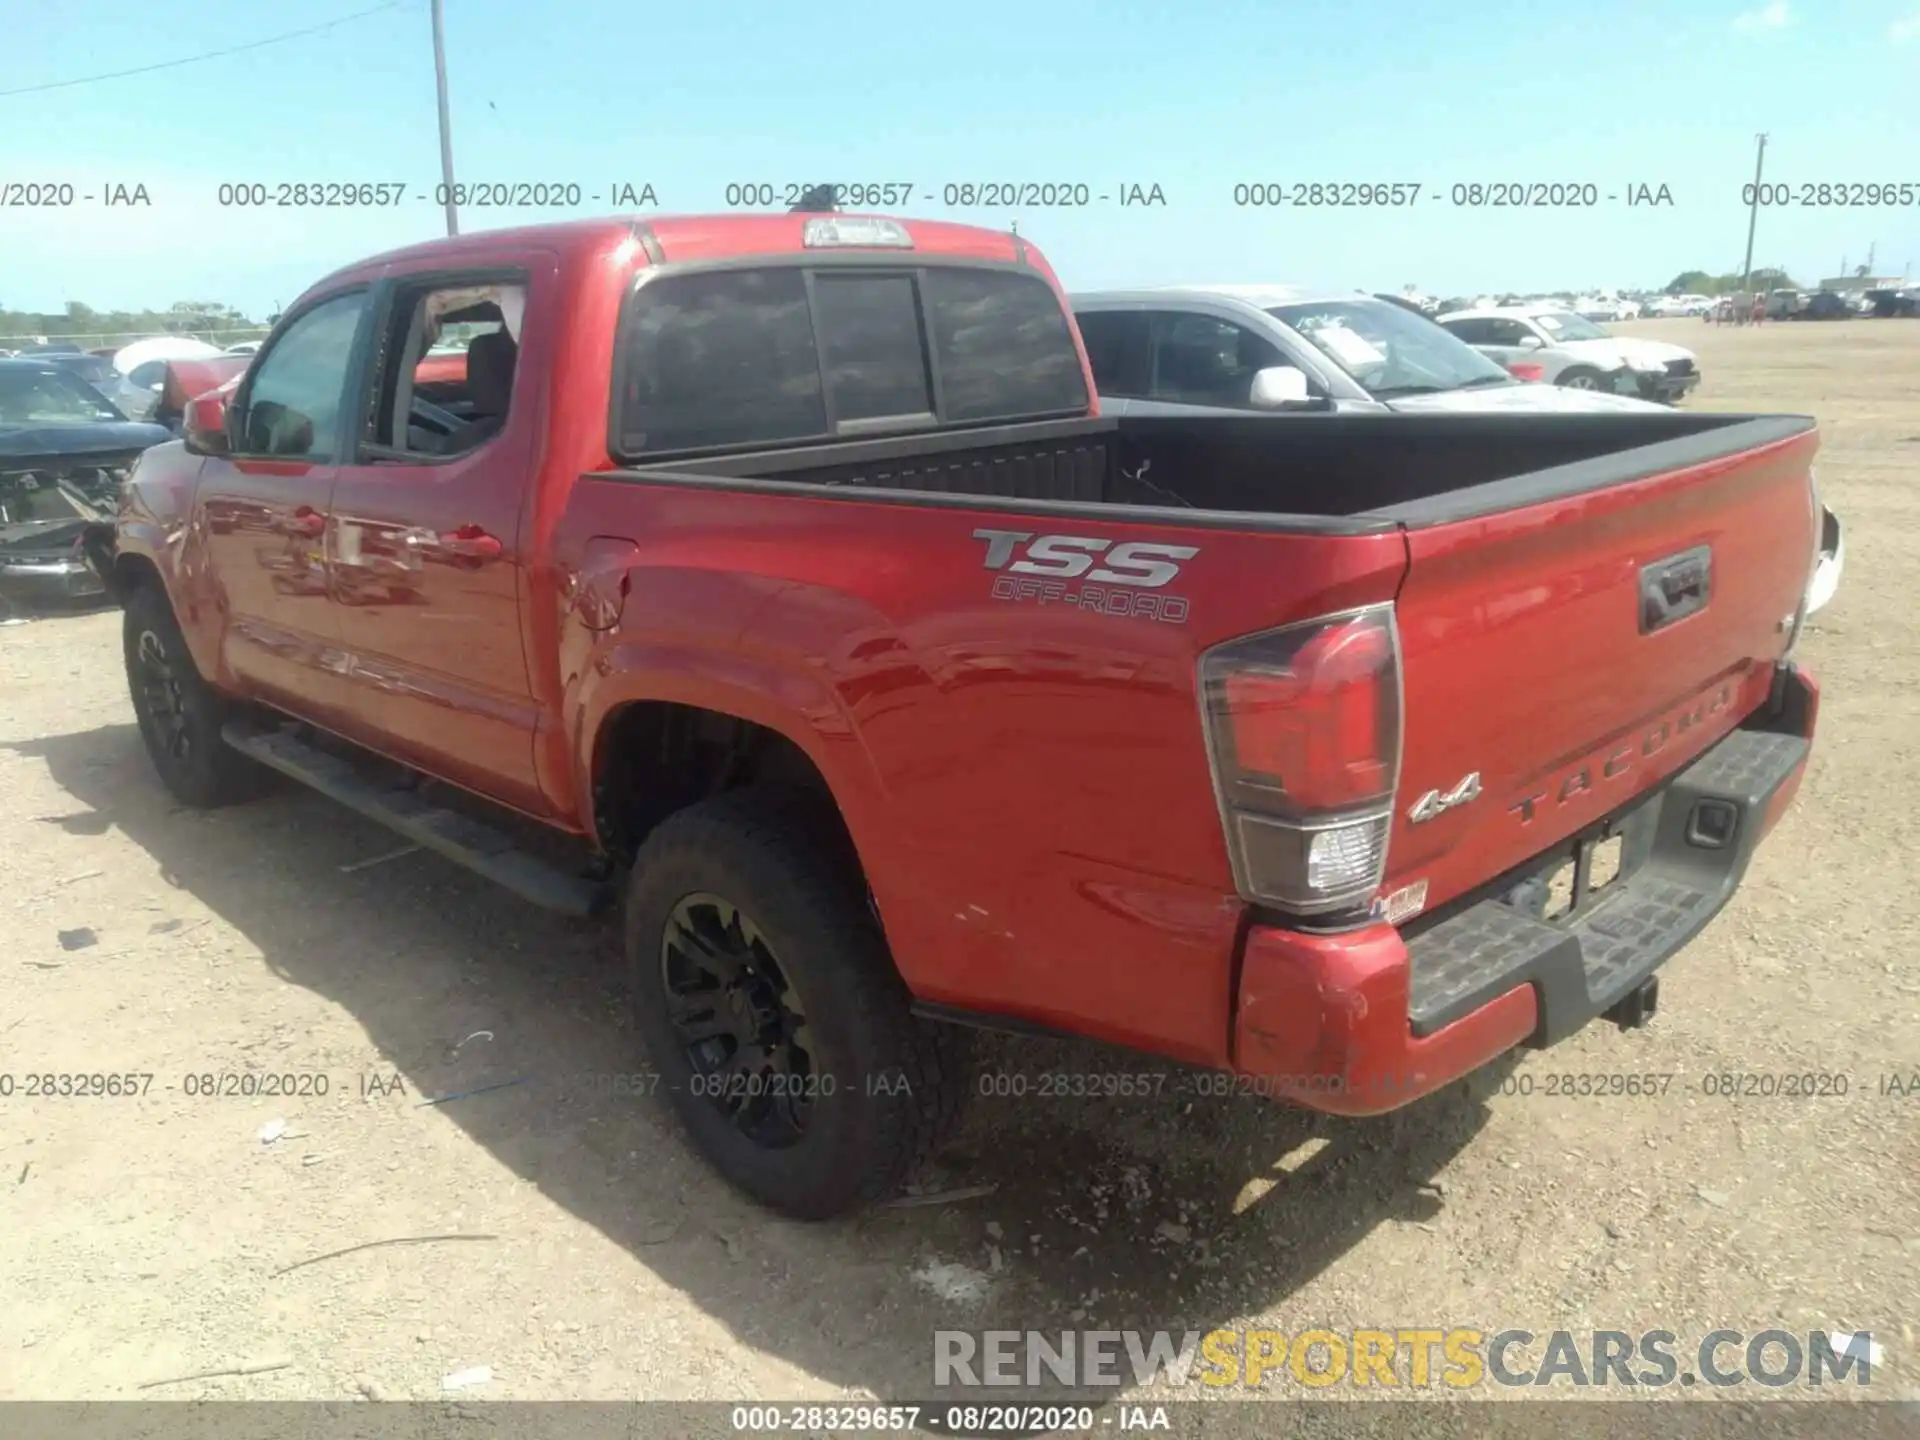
{"points": [[1119, 348], [870, 340], [730, 358], [293, 403], [721, 359], [1473, 332], [1003, 345], [1203, 361]]}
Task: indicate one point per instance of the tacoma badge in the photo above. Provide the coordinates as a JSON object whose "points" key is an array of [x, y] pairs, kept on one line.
{"points": [[1438, 802]]}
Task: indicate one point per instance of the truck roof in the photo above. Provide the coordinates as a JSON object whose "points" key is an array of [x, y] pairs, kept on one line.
{"points": [[681, 238]]}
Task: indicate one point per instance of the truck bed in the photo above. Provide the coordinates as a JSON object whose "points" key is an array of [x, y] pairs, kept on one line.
{"points": [[1342, 474]]}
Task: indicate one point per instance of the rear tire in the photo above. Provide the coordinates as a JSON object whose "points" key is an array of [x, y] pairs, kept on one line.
{"points": [[179, 714], [764, 993]]}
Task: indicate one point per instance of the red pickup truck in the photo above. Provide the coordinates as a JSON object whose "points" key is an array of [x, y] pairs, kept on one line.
{"points": [[785, 564]]}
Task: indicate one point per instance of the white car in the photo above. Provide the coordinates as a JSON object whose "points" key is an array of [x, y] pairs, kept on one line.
{"points": [[1193, 349], [144, 362], [244, 347], [1587, 357]]}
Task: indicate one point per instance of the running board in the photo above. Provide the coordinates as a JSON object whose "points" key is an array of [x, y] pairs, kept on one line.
{"points": [[470, 842]]}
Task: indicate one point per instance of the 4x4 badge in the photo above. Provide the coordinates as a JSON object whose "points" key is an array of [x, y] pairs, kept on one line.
{"points": [[1438, 802]]}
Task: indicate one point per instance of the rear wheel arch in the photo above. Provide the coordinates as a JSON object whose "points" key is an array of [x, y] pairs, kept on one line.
{"points": [[652, 759]]}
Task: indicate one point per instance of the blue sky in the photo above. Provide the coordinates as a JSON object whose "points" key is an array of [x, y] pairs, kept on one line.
{"points": [[1192, 95]]}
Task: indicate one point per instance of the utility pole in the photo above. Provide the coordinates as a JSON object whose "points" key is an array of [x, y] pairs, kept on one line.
{"points": [[446, 130], [1753, 210]]}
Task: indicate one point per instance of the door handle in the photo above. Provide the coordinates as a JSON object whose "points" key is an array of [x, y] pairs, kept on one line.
{"points": [[469, 542]]}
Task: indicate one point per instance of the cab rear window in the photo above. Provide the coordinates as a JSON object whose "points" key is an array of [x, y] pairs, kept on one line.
{"points": [[791, 353]]}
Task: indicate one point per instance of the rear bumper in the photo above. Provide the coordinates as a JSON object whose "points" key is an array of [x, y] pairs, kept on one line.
{"points": [[1368, 1020]]}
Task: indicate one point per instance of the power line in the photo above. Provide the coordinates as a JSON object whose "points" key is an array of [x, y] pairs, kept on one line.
{"points": [[210, 55]]}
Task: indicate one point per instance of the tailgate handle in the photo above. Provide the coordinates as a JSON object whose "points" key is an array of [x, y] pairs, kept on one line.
{"points": [[1674, 588]]}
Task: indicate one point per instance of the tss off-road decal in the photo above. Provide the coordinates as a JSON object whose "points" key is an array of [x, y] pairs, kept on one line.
{"points": [[1128, 578]]}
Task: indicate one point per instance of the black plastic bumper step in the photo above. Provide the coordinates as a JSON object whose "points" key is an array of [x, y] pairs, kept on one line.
{"points": [[1687, 847], [461, 838]]}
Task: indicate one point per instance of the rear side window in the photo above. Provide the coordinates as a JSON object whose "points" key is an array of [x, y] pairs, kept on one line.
{"points": [[793, 353], [1004, 346], [723, 359]]}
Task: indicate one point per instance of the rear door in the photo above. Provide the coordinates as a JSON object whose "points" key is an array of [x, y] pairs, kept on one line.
{"points": [[265, 508], [1563, 653]]}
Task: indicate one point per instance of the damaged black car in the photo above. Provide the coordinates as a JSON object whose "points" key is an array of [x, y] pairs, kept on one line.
{"points": [[65, 453]]}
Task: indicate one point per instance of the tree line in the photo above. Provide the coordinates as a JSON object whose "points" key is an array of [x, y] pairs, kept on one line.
{"points": [[1699, 282], [184, 316]]}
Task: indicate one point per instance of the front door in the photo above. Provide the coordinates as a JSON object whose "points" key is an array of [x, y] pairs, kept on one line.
{"points": [[264, 510], [428, 558]]}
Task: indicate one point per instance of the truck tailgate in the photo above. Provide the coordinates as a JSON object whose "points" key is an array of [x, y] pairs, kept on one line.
{"points": [[1566, 649]]}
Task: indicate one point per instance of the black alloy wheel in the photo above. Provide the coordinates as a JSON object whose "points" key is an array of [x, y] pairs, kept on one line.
{"points": [[740, 1021]]}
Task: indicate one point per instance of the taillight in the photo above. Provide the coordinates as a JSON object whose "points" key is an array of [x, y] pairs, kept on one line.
{"points": [[1303, 727], [1527, 370]]}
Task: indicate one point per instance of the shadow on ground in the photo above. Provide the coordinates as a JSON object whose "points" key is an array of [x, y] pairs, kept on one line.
{"points": [[1144, 1211]]}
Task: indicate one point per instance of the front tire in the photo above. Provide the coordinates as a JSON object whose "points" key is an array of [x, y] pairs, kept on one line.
{"points": [[764, 993], [1580, 377], [179, 714]]}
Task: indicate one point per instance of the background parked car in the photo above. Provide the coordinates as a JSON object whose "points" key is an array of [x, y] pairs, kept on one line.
{"points": [[1511, 341], [144, 361], [133, 401], [186, 379], [1825, 305], [1890, 303], [1655, 369], [1181, 349], [65, 451], [1784, 304]]}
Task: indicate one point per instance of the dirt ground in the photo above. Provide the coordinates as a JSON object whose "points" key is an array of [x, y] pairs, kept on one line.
{"points": [[150, 1237]]}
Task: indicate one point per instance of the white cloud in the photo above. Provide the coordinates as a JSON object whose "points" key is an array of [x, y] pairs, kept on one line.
{"points": [[1905, 29], [1771, 16]]}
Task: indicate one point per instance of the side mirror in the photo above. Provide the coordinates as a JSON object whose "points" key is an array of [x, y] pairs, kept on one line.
{"points": [[1532, 342], [1279, 387], [205, 426]]}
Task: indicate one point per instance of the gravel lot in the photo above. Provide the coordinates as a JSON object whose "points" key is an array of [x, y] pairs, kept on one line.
{"points": [[149, 1237]]}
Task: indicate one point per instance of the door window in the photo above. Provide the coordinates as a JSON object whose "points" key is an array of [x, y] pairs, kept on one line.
{"points": [[1199, 360], [294, 401], [1474, 330], [452, 351]]}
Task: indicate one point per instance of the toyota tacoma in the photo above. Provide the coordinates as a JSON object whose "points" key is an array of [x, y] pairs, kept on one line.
{"points": [[784, 568]]}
